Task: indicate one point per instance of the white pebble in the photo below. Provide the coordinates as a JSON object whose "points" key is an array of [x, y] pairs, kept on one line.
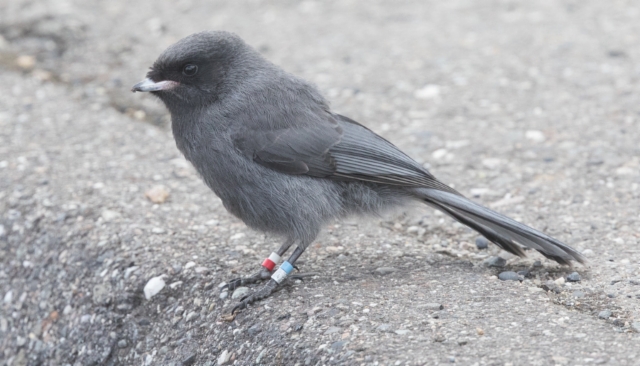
{"points": [[240, 292], [237, 236], [588, 253], [108, 215], [154, 286], [224, 357], [189, 265], [8, 297], [429, 91], [491, 163], [535, 136], [439, 154], [560, 281]]}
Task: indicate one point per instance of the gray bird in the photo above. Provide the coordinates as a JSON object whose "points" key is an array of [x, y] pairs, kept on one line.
{"points": [[267, 143]]}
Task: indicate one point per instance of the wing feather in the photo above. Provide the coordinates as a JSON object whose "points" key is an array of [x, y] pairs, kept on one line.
{"points": [[335, 147]]}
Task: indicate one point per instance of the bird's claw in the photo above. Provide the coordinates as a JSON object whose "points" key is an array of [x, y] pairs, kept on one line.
{"points": [[263, 293], [259, 276]]}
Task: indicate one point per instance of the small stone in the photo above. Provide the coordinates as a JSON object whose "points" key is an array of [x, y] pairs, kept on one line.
{"points": [[402, 331], [559, 281], [482, 243], [189, 265], [479, 331], [224, 357], [224, 295], [491, 163], [192, 315], [588, 253], [122, 343], [3, 231], [202, 270], [254, 329], [129, 271], [237, 236], [439, 338], [384, 328], [604, 314], [109, 215], [21, 341], [551, 286], [332, 330], [635, 326], [101, 294], [524, 273], [157, 194], [383, 271], [510, 276], [158, 230], [578, 294], [537, 264], [337, 346], [535, 136], [573, 277], [429, 91], [439, 154], [8, 297], [260, 356], [432, 306], [153, 286], [495, 262], [189, 360], [240, 292], [67, 310], [26, 62]]}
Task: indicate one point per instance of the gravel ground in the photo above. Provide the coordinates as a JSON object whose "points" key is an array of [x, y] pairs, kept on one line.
{"points": [[530, 107]]}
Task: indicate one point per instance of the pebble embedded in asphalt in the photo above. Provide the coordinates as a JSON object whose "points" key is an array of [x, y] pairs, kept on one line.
{"points": [[524, 273], [482, 242], [385, 270], [574, 277], [153, 286], [510, 276], [604, 314], [495, 262], [224, 357], [433, 306], [239, 292]]}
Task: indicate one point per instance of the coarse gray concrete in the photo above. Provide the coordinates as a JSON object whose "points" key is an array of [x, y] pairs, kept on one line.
{"points": [[529, 107]]}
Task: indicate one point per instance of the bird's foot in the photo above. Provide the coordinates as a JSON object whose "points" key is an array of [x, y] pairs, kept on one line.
{"points": [[261, 275], [266, 291]]}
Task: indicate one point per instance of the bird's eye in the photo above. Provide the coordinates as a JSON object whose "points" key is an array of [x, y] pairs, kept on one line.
{"points": [[189, 69]]}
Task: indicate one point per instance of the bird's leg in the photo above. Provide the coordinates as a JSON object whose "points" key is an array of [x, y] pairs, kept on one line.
{"points": [[265, 271], [270, 287]]}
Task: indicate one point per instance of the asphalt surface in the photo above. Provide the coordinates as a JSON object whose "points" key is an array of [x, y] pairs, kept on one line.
{"points": [[532, 108]]}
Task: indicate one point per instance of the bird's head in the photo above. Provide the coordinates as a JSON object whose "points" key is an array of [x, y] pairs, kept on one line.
{"points": [[199, 69]]}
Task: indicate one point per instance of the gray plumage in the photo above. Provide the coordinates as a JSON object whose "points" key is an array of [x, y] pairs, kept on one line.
{"points": [[267, 143]]}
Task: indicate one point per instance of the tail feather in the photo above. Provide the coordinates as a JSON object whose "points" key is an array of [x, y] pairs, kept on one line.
{"points": [[507, 233]]}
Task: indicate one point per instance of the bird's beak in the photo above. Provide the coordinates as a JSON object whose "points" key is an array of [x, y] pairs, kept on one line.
{"points": [[148, 85]]}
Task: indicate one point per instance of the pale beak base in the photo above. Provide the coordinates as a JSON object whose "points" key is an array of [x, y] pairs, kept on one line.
{"points": [[148, 85]]}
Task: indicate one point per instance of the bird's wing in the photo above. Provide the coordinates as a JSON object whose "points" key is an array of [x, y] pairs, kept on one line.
{"points": [[336, 147]]}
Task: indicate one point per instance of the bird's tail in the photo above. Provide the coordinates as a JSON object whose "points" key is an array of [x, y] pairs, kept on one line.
{"points": [[508, 234]]}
